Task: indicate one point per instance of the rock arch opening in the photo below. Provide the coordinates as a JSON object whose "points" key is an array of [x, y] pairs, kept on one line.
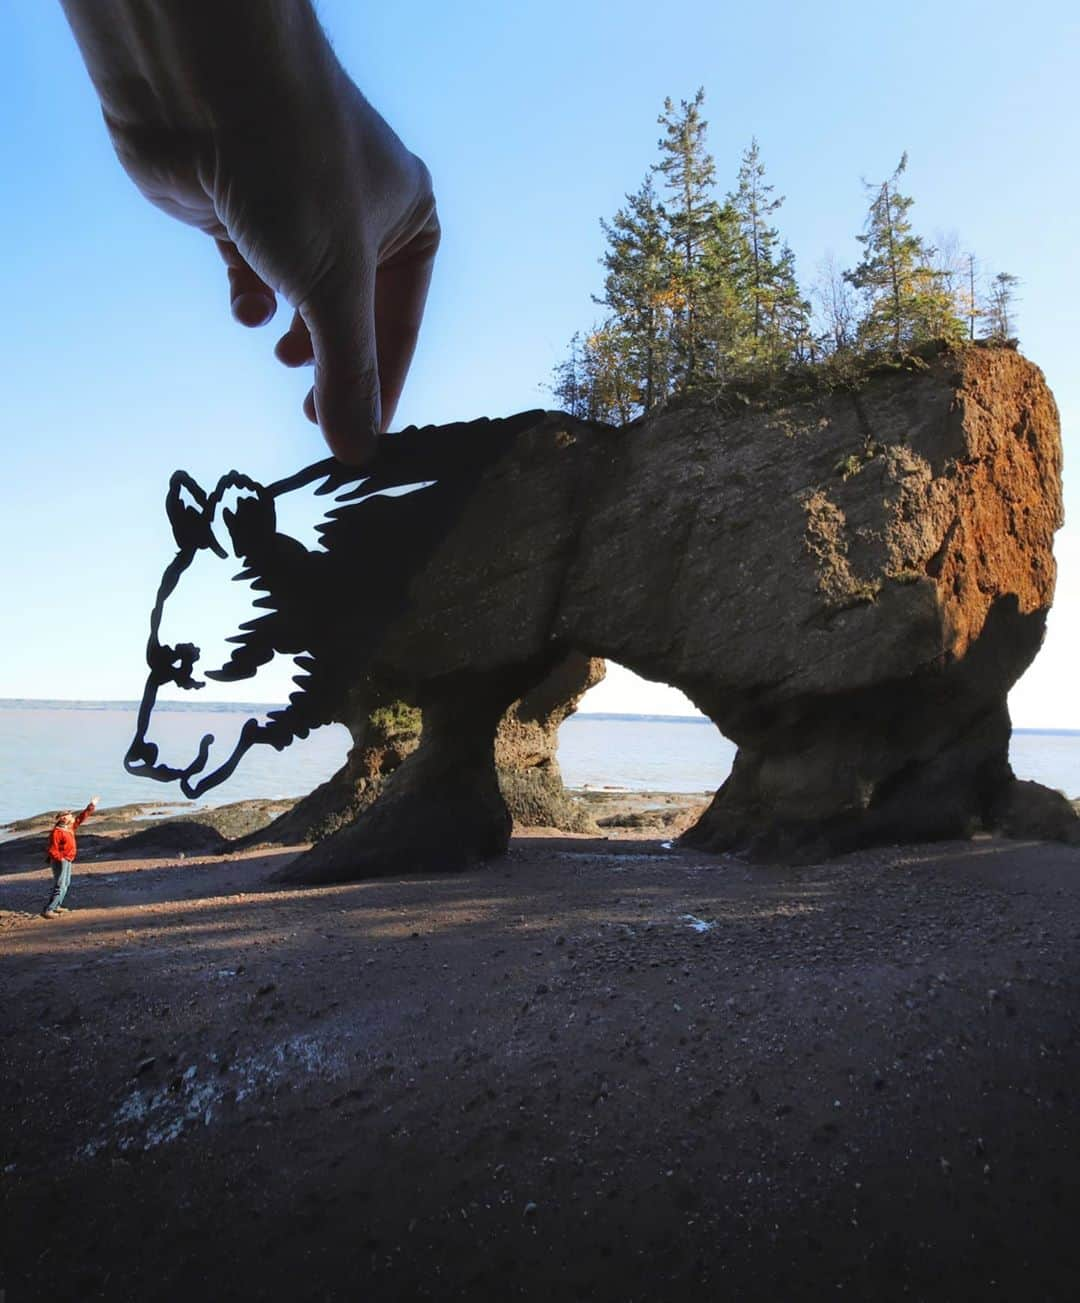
{"points": [[639, 757]]}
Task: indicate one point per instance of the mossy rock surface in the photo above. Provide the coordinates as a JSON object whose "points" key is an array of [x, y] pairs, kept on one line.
{"points": [[536, 798]]}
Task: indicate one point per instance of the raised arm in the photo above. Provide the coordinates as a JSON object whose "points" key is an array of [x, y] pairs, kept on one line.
{"points": [[238, 119], [83, 815]]}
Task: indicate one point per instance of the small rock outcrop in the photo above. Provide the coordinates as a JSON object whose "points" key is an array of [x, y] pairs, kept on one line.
{"points": [[848, 585]]}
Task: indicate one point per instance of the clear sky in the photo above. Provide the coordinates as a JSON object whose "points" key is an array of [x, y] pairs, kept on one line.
{"points": [[121, 362]]}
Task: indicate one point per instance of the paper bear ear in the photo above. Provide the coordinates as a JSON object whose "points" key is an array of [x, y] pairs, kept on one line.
{"points": [[187, 508], [242, 516]]}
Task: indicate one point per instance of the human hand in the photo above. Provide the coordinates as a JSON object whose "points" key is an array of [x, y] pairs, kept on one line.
{"points": [[241, 122]]}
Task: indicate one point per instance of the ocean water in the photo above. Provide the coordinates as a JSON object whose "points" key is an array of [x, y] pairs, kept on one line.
{"points": [[55, 755]]}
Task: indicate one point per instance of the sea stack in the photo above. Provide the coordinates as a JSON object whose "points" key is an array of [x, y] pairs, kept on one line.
{"points": [[847, 584]]}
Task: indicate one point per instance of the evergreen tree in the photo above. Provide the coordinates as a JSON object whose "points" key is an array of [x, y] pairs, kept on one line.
{"points": [[968, 301], [637, 290], [568, 383], [702, 293], [999, 309], [689, 173], [906, 304], [792, 338], [724, 309], [778, 313]]}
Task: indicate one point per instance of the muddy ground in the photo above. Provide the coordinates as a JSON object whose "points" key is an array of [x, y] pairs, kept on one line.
{"points": [[594, 1069]]}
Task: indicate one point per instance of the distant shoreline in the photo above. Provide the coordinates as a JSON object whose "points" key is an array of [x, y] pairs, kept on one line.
{"points": [[241, 707], [238, 707]]}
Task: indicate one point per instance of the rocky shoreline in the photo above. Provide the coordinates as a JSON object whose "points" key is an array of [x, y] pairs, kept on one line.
{"points": [[151, 829]]}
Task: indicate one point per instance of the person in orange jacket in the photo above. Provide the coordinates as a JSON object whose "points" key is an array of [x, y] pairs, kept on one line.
{"points": [[61, 853]]}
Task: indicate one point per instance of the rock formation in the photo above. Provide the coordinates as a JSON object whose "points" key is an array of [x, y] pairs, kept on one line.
{"points": [[848, 585], [381, 739], [526, 743]]}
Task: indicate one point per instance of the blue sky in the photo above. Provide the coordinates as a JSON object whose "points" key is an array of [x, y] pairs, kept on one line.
{"points": [[121, 361]]}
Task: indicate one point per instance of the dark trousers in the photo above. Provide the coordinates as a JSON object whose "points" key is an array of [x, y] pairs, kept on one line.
{"points": [[61, 870]]}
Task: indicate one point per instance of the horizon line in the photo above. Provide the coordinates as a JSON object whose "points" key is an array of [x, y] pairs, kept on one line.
{"points": [[210, 706]]}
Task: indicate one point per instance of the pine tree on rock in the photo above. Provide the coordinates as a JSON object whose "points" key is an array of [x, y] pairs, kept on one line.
{"points": [[689, 173], [702, 293], [793, 340], [779, 314], [568, 380], [999, 310], [906, 303], [724, 309], [637, 289]]}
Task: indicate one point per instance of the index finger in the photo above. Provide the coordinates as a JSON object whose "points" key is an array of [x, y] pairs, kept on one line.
{"points": [[401, 290]]}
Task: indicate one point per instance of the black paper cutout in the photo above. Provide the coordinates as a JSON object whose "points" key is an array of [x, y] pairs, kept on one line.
{"points": [[373, 545]]}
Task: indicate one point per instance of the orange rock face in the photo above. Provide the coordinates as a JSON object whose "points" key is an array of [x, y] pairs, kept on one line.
{"points": [[1006, 504]]}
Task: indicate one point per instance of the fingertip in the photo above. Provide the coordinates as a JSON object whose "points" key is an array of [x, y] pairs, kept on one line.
{"points": [[351, 429], [354, 451], [340, 324], [294, 350], [253, 308]]}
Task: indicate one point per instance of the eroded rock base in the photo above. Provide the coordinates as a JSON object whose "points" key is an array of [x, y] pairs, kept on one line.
{"points": [[922, 759], [439, 812]]}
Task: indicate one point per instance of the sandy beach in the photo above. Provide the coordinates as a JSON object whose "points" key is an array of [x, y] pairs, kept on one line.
{"points": [[593, 1069]]}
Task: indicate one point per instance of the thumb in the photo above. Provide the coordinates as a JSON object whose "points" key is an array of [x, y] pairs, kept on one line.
{"points": [[340, 318]]}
